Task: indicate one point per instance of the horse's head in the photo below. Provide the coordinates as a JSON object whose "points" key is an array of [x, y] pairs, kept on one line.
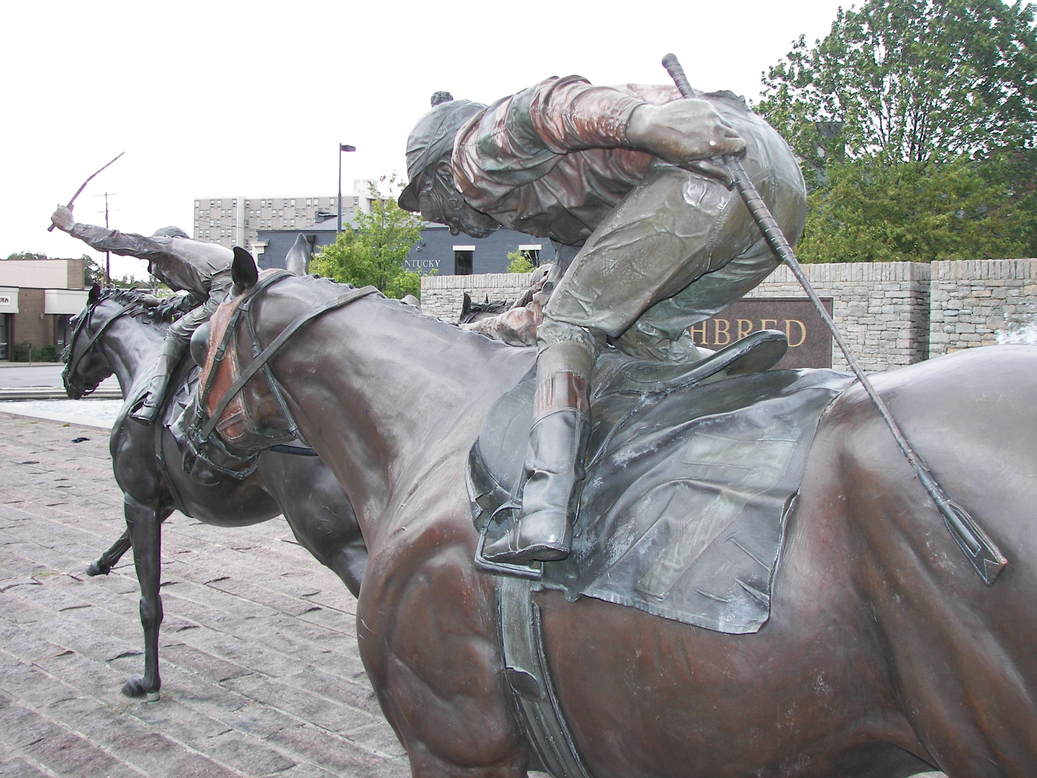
{"points": [[241, 408], [86, 359], [85, 365], [235, 417]]}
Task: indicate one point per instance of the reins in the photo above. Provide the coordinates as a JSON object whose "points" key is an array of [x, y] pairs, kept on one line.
{"points": [[74, 357], [261, 358]]}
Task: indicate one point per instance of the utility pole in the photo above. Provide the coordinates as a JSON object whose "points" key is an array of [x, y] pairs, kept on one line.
{"points": [[107, 254]]}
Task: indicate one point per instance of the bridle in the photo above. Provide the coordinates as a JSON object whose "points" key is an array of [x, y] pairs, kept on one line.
{"points": [[210, 419], [74, 357]]}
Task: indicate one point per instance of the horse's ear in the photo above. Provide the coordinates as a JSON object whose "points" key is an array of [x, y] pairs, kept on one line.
{"points": [[243, 270], [93, 294]]}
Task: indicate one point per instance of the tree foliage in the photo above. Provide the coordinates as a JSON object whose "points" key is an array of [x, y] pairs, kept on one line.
{"points": [[374, 249], [916, 121], [911, 81], [922, 211], [519, 263], [93, 273], [26, 255]]}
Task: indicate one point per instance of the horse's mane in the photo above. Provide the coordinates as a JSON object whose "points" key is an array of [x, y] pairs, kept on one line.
{"points": [[141, 305], [166, 311]]}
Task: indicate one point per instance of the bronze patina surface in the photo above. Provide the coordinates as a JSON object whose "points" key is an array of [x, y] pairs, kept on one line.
{"points": [[884, 654], [116, 333]]}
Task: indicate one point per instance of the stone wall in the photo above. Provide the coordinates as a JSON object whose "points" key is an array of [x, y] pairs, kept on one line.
{"points": [[880, 308], [889, 313], [982, 302], [443, 296]]}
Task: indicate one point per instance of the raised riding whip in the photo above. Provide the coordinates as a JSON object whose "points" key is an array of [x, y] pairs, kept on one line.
{"points": [[979, 549], [83, 185]]}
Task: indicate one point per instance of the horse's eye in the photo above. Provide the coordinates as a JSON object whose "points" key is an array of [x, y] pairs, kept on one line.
{"points": [[200, 344]]}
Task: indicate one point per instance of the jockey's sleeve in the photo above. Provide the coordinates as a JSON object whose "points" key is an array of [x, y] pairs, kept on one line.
{"points": [[571, 114], [124, 243]]}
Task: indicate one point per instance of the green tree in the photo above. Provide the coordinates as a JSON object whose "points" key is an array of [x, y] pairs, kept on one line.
{"points": [[916, 122], [919, 212], [519, 263], [26, 255], [93, 273], [373, 250], [910, 81]]}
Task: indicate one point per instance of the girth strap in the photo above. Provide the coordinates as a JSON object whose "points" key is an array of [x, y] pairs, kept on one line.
{"points": [[528, 676], [275, 345]]}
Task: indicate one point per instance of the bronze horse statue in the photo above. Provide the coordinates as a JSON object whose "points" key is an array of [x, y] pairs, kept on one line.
{"points": [[884, 655], [119, 331]]}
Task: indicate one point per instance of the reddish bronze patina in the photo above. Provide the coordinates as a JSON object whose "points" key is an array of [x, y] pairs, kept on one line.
{"points": [[885, 654]]}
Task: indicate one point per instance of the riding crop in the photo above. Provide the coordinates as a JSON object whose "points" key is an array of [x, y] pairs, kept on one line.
{"points": [[83, 185], [981, 551]]}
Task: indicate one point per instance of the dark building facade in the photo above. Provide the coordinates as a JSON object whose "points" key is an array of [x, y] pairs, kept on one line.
{"points": [[456, 255], [272, 246], [436, 252]]}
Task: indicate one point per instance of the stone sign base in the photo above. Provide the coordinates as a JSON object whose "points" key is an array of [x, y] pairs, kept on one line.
{"points": [[890, 313]]}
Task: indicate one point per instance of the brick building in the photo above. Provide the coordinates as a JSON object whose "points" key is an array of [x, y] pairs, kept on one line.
{"points": [[37, 299]]}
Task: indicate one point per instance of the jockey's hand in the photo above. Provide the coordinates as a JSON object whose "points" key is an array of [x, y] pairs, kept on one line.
{"points": [[62, 218], [688, 133]]}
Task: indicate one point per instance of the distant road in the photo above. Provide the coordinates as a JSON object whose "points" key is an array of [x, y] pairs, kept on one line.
{"points": [[20, 381], [16, 375]]}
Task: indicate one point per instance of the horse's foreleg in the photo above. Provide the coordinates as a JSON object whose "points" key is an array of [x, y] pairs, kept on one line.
{"points": [[110, 558], [104, 563], [143, 524], [349, 563], [323, 521]]}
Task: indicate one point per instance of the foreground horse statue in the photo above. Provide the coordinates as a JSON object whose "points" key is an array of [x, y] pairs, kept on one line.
{"points": [[884, 654], [120, 331]]}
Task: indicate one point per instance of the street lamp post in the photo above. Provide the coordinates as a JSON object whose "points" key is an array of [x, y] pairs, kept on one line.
{"points": [[341, 147]]}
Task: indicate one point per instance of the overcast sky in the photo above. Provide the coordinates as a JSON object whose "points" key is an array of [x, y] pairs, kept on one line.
{"points": [[225, 99]]}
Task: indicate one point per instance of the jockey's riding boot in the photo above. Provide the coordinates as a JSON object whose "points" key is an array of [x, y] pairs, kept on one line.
{"points": [[553, 468], [149, 400]]}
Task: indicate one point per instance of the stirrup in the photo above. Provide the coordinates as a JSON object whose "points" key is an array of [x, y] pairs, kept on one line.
{"points": [[142, 411], [531, 572]]}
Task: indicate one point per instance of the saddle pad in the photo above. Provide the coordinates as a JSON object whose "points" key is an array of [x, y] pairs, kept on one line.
{"points": [[683, 508]]}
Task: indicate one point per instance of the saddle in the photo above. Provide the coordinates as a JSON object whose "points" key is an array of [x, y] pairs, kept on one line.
{"points": [[690, 475]]}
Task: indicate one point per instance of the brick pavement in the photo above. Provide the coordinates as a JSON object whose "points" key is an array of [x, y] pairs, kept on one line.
{"points": [[260, 670]]}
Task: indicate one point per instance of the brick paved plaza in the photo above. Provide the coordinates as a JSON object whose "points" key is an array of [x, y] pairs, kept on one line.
{"points": [[260, 672], [259, 665]]}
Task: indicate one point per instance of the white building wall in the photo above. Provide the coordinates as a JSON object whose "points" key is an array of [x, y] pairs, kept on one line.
{"points": [[35, 273]]}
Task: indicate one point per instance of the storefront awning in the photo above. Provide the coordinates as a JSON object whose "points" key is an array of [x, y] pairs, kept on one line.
{"points": [[8, 299], [70, 301]]}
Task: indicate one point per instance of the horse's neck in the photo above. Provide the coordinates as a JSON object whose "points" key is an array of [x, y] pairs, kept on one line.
{"points": [[398, 398], [131, 346]]}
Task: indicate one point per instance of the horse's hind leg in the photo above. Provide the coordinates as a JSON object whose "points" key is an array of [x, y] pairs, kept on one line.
{"points": [[104, 563], [143, 524]]}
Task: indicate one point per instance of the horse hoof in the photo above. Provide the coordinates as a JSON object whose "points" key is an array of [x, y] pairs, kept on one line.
{"points": [[96, 569], [135, 687]]}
